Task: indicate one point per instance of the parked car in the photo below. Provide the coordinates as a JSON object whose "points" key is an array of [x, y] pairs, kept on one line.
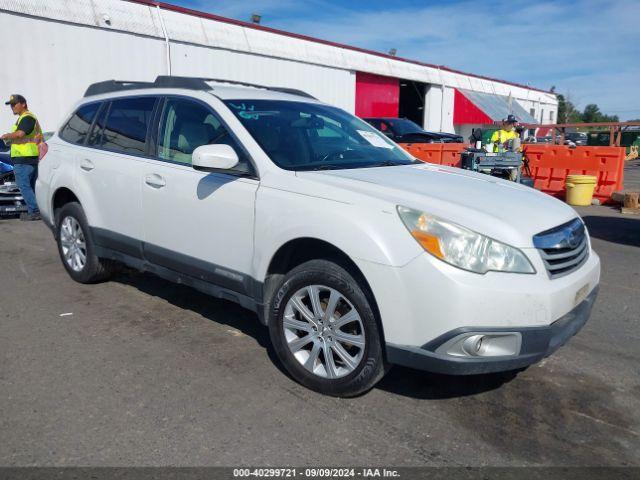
{"points": [[402, 130], [5, 155], [11, 201], [353, 254], [571, 139], [578, 139]]}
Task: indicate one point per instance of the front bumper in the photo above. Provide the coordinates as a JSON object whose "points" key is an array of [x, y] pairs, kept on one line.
{"points": [[12, 210], [11, 201], [537, 343]]}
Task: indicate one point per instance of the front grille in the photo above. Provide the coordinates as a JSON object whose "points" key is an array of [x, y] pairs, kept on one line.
{"points": [[564, 248]]}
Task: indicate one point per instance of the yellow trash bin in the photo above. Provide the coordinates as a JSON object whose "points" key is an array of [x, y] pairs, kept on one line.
{"points": [[580, 189]]}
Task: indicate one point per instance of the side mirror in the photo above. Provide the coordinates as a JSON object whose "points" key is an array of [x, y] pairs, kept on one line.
{"points": [[211, 158]]}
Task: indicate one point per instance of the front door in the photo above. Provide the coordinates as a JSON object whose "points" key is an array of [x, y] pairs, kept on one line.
{"points": [[197, 223]]}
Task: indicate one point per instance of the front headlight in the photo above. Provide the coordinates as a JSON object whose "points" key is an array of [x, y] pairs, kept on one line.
{"points": [[462, 247]]}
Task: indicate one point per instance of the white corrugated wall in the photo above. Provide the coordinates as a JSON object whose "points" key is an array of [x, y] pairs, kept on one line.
{"points": [[68, 58], [84, 41], [72, 54], [330, 85]]}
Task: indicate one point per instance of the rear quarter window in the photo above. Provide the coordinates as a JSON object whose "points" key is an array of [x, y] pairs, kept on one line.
{"points": [[78, 126]]}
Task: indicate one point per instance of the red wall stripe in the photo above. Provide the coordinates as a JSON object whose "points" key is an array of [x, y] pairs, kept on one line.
{"points": [[465, 112], [377, 96]]}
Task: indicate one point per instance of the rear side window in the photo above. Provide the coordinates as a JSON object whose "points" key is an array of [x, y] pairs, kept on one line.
{"points": [[77, 128], [126, 126]]}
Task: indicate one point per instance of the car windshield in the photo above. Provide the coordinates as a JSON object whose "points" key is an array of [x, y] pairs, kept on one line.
{"points": [[402, 126], [577, 135], [307, 136]]}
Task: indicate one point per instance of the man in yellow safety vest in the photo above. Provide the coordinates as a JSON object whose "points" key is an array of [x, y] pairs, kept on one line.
{"points": [[24, 138], [500, 138]]}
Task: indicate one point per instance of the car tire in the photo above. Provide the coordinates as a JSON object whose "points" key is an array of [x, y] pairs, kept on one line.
{"points": [[343, 354], [76, 246]]}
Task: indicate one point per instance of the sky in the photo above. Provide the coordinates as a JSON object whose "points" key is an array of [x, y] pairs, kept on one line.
{"points": [[588, 49]]}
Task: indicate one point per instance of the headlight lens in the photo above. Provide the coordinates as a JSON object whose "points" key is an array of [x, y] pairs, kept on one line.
{"points": [[462, 247]]}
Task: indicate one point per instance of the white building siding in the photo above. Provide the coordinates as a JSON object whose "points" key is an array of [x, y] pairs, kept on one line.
{"points": [[330, 85], [432, 108], [68, 59], [84, 41]]}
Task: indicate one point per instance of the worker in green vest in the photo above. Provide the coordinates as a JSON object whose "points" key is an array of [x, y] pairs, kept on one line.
{"points": [[500, 138], [24, 138]]}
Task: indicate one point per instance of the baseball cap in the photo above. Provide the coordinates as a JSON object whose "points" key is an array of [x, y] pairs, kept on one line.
{"points": [[510, 119], [16, 98]]}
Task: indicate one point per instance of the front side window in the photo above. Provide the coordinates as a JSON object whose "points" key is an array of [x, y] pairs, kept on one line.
{"points": [[186, 125], [308, 136], [125, 129], [77, 128]]}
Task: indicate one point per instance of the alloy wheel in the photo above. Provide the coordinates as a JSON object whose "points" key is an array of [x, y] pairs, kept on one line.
{"points": [[324, 331], [74, 246]]}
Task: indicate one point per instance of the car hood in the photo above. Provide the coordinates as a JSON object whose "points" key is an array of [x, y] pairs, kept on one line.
{"points": [[503, 210], [428, 137], [419, 137]]}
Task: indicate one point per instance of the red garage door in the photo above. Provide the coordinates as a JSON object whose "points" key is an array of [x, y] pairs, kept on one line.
{"points": [[376, 96]]}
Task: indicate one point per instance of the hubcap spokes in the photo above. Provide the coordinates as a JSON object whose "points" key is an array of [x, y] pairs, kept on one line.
{"points": [[324, 331], [74, 247]]}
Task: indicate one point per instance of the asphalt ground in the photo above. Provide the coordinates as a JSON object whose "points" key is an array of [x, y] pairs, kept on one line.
{"points": [[139, 371]]}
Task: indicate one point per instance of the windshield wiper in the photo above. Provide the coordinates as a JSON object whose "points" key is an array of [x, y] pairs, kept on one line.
{"points": [[327, 167], [387, 163]]}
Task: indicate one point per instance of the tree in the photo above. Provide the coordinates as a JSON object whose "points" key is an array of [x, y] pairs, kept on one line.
{"points": [[567, 112], [592, 113]]}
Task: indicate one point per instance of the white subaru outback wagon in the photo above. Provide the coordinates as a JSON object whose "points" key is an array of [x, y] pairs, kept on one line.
{"points": [[355, 255]]}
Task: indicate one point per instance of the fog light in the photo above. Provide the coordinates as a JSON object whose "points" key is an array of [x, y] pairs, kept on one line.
{"points": [[485, 344], [473, 345]]}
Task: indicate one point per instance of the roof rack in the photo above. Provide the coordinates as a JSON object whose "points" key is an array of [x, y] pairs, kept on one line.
{"points": [[292, 91], [190, 83], [114, 86]]}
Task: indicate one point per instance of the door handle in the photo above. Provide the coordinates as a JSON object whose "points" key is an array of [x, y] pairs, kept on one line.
{"points": [[87, 165], [154, 180]]}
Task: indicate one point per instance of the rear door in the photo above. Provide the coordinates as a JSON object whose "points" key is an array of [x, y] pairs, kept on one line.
{"points": [[64, 148], [198, 223], [109, 169]]}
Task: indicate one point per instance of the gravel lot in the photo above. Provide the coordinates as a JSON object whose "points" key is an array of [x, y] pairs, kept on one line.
{"points": [[143, 372]]}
